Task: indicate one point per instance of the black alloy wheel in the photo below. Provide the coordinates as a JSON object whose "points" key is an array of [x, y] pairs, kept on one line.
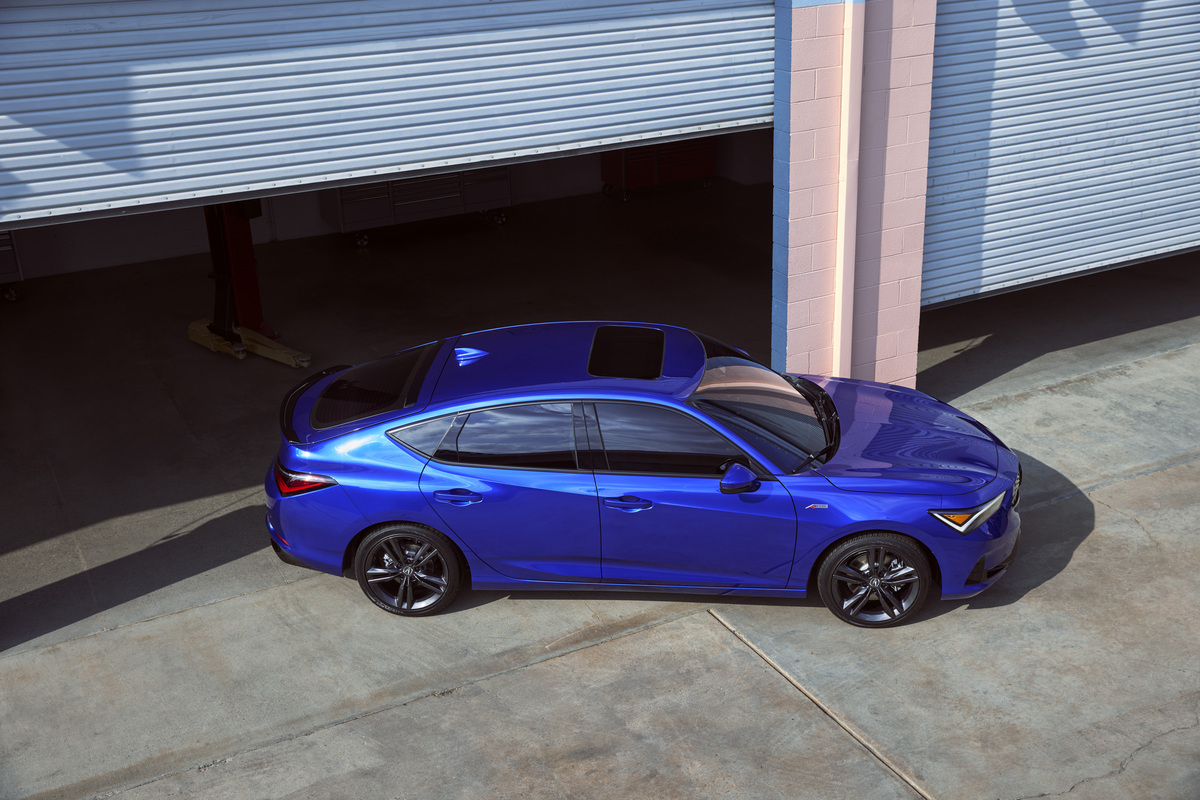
{"points": [[875, 580], [408, 569]]}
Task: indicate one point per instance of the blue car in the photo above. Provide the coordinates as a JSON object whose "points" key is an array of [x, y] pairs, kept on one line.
{"points": [[628, 456]]}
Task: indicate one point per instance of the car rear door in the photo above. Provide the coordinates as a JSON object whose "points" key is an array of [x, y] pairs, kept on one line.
{"points": [[508, 483], [663, 517]]}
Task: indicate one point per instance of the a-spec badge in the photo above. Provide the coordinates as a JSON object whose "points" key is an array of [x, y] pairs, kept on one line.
{"points": [[816, 505], [468, 355]]}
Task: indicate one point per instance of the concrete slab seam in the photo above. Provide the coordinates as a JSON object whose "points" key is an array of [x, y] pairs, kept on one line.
{"points": [[86, 572], [228, 756], [1162, 466], [844, 724]]}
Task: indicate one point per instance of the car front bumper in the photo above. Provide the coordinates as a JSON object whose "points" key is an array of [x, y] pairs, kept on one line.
{"points": [[995, 556]]}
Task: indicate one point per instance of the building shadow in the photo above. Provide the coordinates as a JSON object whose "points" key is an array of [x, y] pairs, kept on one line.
{"points": [[1002, 333], [169, 562]]}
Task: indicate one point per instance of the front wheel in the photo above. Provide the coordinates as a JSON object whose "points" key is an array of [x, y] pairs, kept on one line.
{"points": [[875, 580], [408, 569]]}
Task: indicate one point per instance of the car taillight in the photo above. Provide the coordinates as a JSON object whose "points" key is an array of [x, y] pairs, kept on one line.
{"points": [[290, 483]]}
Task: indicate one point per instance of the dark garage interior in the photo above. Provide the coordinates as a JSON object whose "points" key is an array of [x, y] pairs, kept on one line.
{"points": [[122, 418]]}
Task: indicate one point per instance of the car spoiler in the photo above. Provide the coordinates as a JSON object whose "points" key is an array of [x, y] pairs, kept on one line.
{"points": [[289, 402]]}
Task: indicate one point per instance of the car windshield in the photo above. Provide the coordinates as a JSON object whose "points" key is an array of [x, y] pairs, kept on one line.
{"points": [[770, 411]]}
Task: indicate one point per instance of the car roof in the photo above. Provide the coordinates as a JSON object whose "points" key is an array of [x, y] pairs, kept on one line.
{"points": [[570, 359]]}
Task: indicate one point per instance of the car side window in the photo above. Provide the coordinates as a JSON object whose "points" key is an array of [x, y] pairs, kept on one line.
{"points": [[538, 436], [651, 439], [424, 437]]}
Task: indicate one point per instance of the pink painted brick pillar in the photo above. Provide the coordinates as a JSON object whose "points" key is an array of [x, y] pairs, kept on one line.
{"points": [[893, 154]]}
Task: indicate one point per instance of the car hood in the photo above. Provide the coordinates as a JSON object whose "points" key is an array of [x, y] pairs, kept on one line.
{"points": [[902, 441]]}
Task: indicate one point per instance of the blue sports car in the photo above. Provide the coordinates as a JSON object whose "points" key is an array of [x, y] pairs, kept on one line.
{"points": [[613, 455]]}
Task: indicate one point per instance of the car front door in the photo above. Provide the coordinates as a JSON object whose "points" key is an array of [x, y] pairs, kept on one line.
{"points": [[507, 482], [663, 517]]}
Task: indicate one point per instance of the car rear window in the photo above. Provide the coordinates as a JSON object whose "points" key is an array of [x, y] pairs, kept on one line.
{"points": [[377, 387]]}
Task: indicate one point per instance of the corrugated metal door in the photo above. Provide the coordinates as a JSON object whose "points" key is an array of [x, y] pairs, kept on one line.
{"points": [[117, 105], [1065, 136]]}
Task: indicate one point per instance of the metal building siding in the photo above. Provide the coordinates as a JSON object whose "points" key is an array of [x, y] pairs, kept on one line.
{"points": [[1065, 136], [114, 105]]}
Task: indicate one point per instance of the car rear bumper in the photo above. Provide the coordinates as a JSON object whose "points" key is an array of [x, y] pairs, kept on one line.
{"points": [[287, 557], [312, 529]]}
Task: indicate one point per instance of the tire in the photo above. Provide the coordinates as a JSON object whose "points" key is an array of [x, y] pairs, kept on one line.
{"points": [[875, 580], [408, 569]]}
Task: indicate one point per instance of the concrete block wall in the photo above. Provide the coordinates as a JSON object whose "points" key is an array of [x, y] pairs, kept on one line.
{"points": [[893, 158], [808, 76], [893, 151]]}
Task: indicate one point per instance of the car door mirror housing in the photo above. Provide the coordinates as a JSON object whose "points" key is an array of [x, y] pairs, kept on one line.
{"points": [[738, 478]]}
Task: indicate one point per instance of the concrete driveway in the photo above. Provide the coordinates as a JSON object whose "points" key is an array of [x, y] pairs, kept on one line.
{"points": [[151, 646]]}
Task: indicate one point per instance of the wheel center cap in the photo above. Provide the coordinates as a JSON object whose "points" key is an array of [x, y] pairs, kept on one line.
{"points": [[875, 583]]}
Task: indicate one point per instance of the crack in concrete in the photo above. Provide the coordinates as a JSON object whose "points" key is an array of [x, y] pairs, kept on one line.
{"points": [[1125, 762], [398, 703], [1132, 517]]}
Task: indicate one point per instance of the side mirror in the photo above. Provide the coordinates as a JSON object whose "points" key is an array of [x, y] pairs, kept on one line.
{"points": [[738, 478]]}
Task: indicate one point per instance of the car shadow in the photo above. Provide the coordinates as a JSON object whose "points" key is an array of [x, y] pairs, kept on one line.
{"points": [[477, 598], [169, 562], [1056, 517]]}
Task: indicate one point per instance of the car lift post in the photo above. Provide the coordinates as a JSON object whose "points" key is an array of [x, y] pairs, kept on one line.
{"points": [[237, 325]]}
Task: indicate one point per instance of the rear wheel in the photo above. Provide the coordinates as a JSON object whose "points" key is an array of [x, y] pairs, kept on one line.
{"points": [[408, 569], [875, 580]]}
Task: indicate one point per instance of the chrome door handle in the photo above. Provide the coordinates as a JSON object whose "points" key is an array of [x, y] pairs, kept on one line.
{"points": [[627, 503], [457, 497]]}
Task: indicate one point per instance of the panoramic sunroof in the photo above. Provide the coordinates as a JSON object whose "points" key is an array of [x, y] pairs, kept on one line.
{"points": [[622, 351]]}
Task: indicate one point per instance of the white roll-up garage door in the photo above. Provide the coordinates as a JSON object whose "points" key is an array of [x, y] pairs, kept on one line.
{"points": [[110, 106], [1065, 137]]}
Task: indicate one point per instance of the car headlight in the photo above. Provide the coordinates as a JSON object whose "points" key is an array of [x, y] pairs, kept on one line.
{"points": [[965, 520]]}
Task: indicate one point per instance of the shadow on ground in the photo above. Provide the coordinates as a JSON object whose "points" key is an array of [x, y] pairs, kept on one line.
{"points": [[100, 589], [999, 334], [1056, 518]]}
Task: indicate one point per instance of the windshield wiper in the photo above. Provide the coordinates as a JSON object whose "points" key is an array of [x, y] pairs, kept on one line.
{"points": [[826, 413], [827, 450]]}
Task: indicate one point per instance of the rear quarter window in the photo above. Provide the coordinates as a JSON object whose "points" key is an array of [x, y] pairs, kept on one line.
{"points": [[423, 437]]}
